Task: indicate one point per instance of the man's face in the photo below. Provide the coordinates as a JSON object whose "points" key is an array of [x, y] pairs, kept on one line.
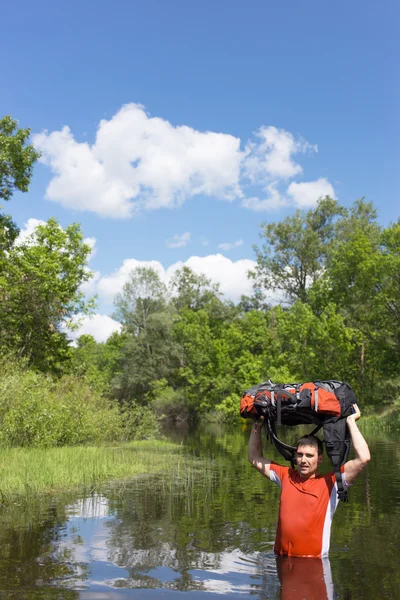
{"points": [[307, 460]]}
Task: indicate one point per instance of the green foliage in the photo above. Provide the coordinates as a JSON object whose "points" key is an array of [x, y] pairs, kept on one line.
{"points": [[192, 353], [243, 353], [182, 349], [315, 346], [28, 471], [341, 274], [189, 290], [138, 422], [294, 250], [40, 412], [147, 356], [39, 292], [169, 403], [99, 363], [143, 295], [8, 234], [149, 352], [193, 291], [194, 376], [16, 158], [363, 280]]}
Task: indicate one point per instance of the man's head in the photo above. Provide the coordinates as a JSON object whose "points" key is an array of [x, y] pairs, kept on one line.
{"points": [[309, 455]]}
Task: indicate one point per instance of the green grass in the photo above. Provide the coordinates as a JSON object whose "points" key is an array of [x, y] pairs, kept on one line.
{"points": [[25, 472], [387, 419]]}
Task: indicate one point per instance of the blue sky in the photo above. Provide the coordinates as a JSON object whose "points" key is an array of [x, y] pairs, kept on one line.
{"points": [[169, 129]]}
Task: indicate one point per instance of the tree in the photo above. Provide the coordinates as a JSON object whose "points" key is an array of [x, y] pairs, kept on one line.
{"points": [[150, 352], [143, 294], [388, 291], [244, 354], [193, 291], [314, 346], [257, 301], [39, 293], [8, 234], [99, 363], [16, 164], [363, 279], [195, 372], [16, 158], [294, 251]]}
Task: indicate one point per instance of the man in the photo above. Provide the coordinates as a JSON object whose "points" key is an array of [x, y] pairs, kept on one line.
{"points": [[308, 499]]}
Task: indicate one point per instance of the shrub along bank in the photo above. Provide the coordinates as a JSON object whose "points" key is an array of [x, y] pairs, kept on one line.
{"points": [[39, 411]]}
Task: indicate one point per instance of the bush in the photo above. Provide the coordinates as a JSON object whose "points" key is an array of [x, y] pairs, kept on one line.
{"points": [[138, 422], [228, 409], [38, 411], [171, 405]]}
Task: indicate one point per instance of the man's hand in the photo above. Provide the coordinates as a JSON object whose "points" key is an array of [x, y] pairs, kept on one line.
{"points": [[355, 416]]}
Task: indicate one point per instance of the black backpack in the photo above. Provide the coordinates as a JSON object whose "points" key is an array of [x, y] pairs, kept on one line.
{"points": [[325, 404]]}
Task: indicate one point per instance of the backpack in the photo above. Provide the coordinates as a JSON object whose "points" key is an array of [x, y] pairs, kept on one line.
{"points": [[325, 404]]}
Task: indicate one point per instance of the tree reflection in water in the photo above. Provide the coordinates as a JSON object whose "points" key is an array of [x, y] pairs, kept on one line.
{"points": [[211, 536]]}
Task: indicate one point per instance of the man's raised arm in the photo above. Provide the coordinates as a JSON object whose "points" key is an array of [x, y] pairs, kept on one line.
{"points": [[255, 453], [354, 467]]}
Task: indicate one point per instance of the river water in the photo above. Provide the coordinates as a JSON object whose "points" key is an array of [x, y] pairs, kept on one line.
{"points": [[202, 535]]}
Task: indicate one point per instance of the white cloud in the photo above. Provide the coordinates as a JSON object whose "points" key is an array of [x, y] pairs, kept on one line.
{"points": [[110, 285], [139, 162], [232, 276], [229, 246], [273, 200], [301, 195], [306, 194], [272, 156], [89, 288], [178, 241], [99, 326]]}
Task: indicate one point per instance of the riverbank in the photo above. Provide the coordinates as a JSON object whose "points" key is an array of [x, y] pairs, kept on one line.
{"points": [[388, 419], [27, 471]]}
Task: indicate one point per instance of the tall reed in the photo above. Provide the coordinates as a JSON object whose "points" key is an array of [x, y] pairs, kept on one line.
{"points": [[26, 471]]}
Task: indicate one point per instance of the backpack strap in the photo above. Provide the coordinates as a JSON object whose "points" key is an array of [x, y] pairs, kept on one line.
{"points": [[279, 408], [337, 443], [314, 431], [284, 449], [341, 493], [334, 451]]}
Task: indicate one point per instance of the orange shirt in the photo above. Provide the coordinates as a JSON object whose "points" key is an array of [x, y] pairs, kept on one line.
{"points": [[305, 512]]}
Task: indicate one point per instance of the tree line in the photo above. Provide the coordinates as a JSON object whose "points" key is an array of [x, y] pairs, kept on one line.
{"points": [[184, 350]]}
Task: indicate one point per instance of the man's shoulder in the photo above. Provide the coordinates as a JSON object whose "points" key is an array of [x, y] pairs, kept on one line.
{"points": [[278, 466], [281, 470]]}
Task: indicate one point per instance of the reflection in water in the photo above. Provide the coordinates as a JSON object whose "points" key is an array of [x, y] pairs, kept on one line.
{"points": [[30, 555], [309, 578], [209, 538], [135, 553]]}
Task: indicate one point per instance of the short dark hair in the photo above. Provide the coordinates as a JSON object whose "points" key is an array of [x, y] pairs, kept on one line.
{"points": [[311, 440]]}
